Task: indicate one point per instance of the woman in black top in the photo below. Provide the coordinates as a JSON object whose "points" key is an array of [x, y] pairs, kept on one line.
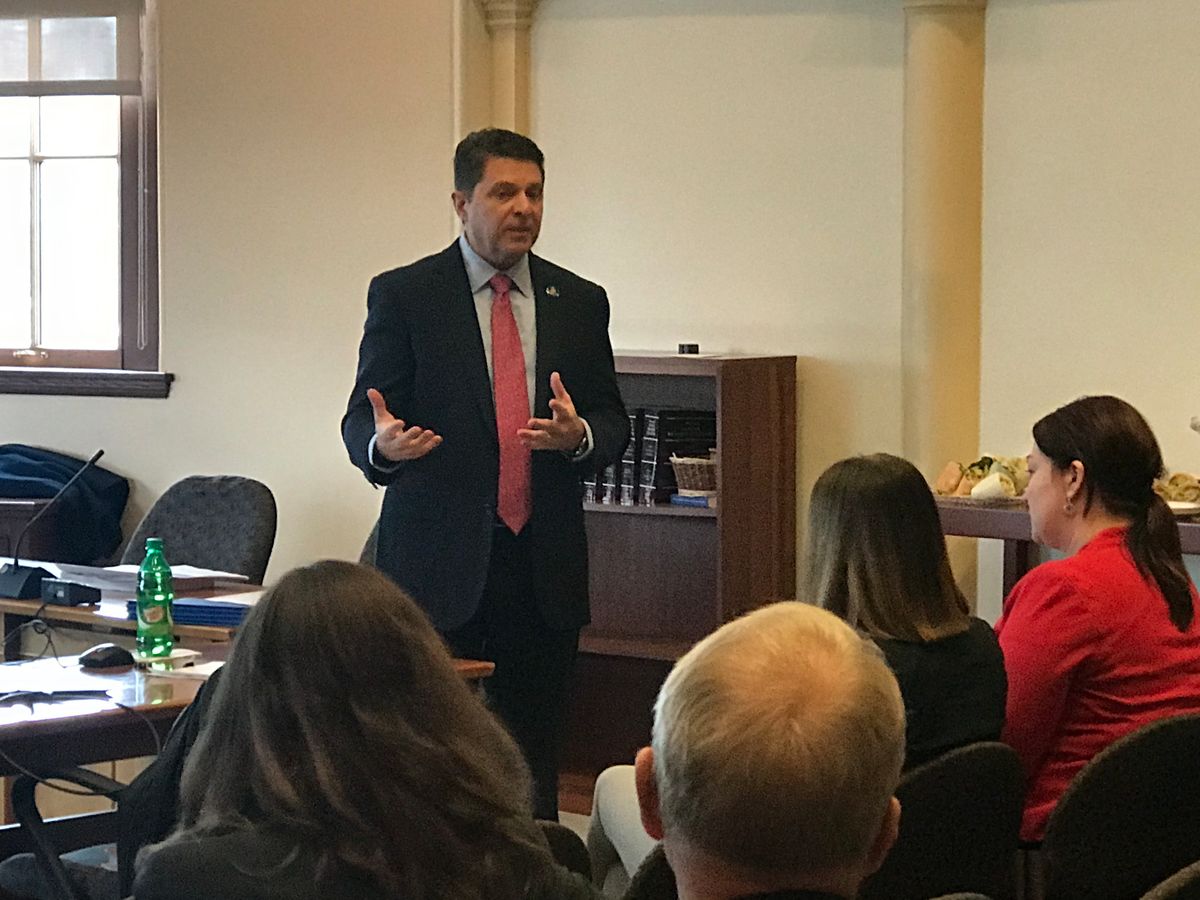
{"points": [[877, 557]]}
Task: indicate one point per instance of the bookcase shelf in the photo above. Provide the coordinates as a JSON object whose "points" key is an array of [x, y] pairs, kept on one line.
{"points": [[662, 577], [645, 648], [659, 509]]}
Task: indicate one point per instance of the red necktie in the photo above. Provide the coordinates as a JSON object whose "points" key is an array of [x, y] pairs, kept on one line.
{"points": [[511, 393]]}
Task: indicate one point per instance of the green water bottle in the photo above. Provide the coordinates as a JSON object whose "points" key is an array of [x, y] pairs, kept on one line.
{"points": [[155, 593]]}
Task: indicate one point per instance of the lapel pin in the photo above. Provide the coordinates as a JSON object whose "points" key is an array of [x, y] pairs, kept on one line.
{"points": [[552, 291]]}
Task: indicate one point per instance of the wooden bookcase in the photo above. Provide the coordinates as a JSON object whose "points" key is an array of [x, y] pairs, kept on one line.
{"points": [[662, 577]]}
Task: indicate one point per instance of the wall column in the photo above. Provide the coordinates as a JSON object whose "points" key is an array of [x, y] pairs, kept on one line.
{"points": [[508, 24], [942, 247], [943, 193]]}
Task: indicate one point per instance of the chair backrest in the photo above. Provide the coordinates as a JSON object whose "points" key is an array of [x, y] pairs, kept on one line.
{"points": [[653, 880], [1131, 817], [567, 848], [149, 806], [960, 815], [223, 522], [367, 557], [1183, 885]]}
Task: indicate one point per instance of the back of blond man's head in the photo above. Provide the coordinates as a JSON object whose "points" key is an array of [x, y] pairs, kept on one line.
{"points": [[778, 742]]}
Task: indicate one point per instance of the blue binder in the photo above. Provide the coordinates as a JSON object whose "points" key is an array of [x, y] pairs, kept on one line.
{"points": [[194, 611]]}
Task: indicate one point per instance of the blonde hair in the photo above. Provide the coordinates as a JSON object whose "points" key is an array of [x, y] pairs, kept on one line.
{"points": [[876, 554], [778, 742]]}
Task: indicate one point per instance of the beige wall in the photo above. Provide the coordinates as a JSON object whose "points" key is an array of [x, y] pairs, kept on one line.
{"points": [[472, 68], [750, 201], [304, 146], [730, 171], [1091, 276]]}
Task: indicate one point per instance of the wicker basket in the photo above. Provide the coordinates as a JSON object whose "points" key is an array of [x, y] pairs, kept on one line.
{"points": [[694, 473]]}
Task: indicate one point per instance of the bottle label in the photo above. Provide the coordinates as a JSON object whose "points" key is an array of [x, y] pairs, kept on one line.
{"points": [[152, 615]]}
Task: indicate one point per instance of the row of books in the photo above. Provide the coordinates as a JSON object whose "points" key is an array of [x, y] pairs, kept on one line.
{"points": [[644, 475]]}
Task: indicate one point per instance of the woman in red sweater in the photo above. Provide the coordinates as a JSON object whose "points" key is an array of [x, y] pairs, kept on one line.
{"points": [[1102, 642]]}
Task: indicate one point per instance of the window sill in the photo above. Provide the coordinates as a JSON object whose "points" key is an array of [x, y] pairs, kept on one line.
{"points": [[84, 382]]}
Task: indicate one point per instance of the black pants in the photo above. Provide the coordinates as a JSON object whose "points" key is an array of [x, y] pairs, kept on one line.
{"points": [[530, 688]]}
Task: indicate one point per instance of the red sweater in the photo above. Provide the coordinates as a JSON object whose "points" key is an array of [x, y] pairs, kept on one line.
{"points": [[1091, 655]]}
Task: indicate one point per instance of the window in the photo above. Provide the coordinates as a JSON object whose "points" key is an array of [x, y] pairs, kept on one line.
{"points": [[78, 204]]}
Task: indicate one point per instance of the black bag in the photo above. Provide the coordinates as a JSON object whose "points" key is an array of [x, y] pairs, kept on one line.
{"points": [[89, 513]]}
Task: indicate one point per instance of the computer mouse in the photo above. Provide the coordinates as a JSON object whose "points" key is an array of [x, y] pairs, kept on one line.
{"points": [[105, 656]]}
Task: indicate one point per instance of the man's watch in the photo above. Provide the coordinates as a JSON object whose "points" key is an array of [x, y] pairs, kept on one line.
{"points": [[583, 448]]}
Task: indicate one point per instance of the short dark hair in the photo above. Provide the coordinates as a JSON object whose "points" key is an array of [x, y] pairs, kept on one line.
{"points": [[1121, 459], [473, 151]]}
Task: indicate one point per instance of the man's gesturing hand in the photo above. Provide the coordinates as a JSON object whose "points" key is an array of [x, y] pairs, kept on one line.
{"points": [[564, 431], [395, 442]]}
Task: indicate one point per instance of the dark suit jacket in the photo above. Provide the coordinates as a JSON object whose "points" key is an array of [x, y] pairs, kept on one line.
{"points": [[422, 349]]}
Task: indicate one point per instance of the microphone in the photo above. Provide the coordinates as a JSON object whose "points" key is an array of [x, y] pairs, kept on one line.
{"points": [[20, 582]]}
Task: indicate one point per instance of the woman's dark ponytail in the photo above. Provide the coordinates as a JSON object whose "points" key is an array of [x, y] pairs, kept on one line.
{"points": [[1153, 541]]}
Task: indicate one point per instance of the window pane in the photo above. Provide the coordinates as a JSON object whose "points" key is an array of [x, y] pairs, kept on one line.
{"points": [[14, 126], [79, 48], [14, 50], [80, 126], [80, 269], [15, 297]]}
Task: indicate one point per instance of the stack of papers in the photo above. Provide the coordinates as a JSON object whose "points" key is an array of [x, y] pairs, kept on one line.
{"points": [[124, 578], [201, 671], [189, 578]]}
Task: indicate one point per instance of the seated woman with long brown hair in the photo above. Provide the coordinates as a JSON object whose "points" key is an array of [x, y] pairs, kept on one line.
{"points": [[877, 558], [1104, 641], [344, 757]]}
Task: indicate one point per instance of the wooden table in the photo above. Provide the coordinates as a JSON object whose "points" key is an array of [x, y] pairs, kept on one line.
{"points": [[1009, 522], [73, 732], [110, 615], [63, 733]]}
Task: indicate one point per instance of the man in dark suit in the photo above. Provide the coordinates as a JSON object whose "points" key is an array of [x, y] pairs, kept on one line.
{"points": [[481, 521]]}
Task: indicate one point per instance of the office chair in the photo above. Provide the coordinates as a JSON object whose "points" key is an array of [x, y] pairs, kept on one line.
{"points": [[654, 879], [567, 848], [1129, 819], [960, 818], [1183, 885], [367, 557], [223, 522]]}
